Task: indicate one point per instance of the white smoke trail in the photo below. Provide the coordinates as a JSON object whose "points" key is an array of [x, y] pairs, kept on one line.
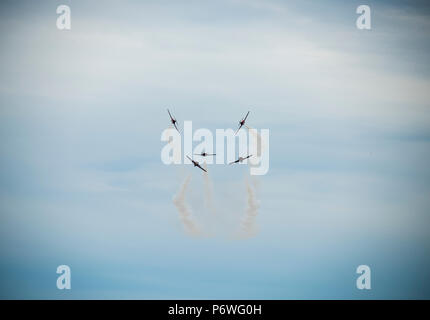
{"points": [[248, 226], [248, 222], [184, 212], [208, 189], [171, 128], [260, 145]]}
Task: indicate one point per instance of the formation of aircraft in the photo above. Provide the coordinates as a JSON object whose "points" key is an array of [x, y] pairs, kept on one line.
{"points": [[204, 154]]}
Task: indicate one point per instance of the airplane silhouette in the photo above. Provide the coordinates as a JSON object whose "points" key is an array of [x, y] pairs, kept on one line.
{"points": [[173, 120], [204, 154], [241, 159], [241, 123], [196, 164]]}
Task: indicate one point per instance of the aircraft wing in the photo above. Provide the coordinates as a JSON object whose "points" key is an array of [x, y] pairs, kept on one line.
{"points": [[176, 127], [246, 116], [238, 129], [201, 168], [170, 114]]}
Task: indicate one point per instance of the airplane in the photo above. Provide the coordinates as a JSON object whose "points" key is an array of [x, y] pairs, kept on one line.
{"points": [[173, 120], [241, 159], [196, 164], [241, 123], [204, 154]]}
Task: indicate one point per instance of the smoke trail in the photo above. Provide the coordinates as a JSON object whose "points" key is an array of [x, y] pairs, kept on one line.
{"points": [[184, 212], [208, 189], [248, 227], [171, 128], [248, 222], [260, 145]]}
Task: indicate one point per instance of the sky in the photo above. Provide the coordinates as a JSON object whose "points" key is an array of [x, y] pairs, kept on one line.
{"points": [[82, 183]]}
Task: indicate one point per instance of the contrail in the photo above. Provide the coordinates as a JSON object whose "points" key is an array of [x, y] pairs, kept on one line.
{"points": [[184, 212], [248, 222]]}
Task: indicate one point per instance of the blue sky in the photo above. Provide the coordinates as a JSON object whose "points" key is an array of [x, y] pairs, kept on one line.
{"points": [[82, 183]]}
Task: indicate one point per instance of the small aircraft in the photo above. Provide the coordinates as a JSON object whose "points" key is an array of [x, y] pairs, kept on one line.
{"points": [[204, 154], [241, 159], [196, 164], [241, 123], [173, 120]]}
